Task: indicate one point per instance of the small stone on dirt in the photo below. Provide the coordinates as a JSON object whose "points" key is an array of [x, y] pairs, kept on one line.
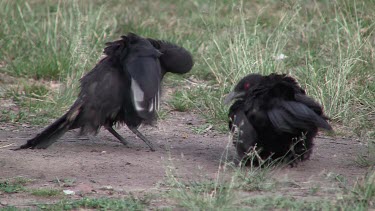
{"points": [[108, 187], [68, 192], [26, 125]]}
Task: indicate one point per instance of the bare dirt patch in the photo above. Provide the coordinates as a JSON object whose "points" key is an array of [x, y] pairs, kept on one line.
{"points": [[104, 166]]}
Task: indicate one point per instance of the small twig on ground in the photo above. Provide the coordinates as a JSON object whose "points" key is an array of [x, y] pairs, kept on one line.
{"points": [[334, 142]]}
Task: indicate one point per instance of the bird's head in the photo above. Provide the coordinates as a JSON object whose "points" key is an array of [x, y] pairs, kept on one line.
{"points": [[242, 87]]}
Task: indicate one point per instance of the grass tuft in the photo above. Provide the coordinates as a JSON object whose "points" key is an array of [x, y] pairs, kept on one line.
{"points": [[45, 192], [129, 203], [13, 185], [364, 191]]}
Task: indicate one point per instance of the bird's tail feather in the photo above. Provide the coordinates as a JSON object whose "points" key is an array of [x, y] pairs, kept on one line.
{"points": [[49, 135]]}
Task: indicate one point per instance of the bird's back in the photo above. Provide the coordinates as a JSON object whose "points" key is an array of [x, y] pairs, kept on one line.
{"points": [[103, 92], [277, 97]]}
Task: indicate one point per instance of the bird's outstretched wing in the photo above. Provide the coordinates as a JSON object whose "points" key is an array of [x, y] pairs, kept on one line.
{"points": [[144, 68]]}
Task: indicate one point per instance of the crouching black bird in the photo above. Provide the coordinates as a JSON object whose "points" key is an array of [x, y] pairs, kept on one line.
{"points": [[273, 116], [124, 87]]}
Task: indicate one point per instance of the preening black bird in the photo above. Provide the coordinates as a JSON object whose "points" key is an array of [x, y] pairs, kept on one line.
{"points": [[274, 115], [124, 87]]}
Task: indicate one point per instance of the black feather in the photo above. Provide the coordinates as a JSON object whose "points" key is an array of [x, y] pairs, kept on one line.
{"points": [[281, 119]]}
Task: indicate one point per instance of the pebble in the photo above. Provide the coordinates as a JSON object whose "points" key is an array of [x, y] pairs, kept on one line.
{"points": [[68, 192], [106, 188]]}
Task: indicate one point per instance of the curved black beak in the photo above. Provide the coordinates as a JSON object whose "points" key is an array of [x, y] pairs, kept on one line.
{"points": [[233, 95]]}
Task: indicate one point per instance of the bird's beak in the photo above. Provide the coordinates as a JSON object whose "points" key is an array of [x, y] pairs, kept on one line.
{"points": [[233, 95]]}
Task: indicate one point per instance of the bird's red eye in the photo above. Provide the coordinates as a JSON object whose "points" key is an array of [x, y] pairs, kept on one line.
{"points": [[246, 86]]}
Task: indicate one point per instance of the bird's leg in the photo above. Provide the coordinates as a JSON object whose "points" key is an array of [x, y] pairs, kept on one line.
{"points": [[136, 132], [118, 136]]}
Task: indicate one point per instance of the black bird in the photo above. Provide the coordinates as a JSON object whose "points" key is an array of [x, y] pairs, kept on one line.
{"points": [[124, 87], [273, 116]]}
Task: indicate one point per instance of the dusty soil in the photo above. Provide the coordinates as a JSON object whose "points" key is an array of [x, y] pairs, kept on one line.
{"points": [[95, 164]]}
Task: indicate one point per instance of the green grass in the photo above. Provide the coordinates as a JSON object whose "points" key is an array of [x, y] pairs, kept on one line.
{"points": [[9, 208], [65, 182], [179, 102], [51, 41], [201, 129], [367, 159], [288, 203], [129, 203], [328, 46], [45, 192], [203, 195], [329, 63], [364, 191], [13, 185], [253, 189], [224, 192], [255, 179]]}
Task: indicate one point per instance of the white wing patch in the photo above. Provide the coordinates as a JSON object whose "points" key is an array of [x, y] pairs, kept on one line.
{"points": [[155, 104], [157, 101], [138, 95], [237, 131], [151, 106]]}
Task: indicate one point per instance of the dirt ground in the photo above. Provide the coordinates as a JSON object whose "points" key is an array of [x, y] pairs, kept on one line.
{"points": [[95, 164]]}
